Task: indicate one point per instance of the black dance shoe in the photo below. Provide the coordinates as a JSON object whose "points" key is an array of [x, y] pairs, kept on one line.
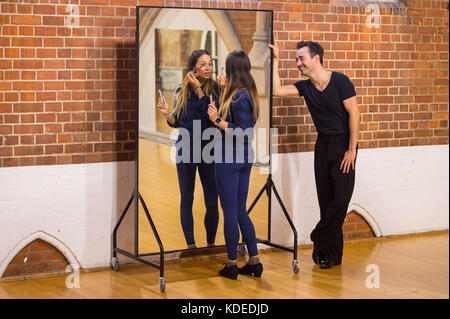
{"points": [[328, 260], [316, 256], [326, 264], [230, 271], [254, 270]]}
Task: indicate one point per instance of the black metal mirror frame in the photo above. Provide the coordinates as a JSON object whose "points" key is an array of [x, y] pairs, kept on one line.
{"points": [[268, 187]]}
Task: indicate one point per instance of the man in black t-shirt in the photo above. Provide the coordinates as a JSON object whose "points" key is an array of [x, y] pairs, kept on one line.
{"points": [[331, 100]]}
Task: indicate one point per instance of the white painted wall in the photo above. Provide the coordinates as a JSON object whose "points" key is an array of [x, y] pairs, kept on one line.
{"points": [[73, 207], [398, 190]]}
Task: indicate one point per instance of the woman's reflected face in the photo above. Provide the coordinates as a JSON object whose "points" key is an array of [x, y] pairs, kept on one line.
{"points": [[203, 67]]}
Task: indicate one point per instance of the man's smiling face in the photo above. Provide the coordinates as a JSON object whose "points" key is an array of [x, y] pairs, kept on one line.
{"points": [[305, 63]]}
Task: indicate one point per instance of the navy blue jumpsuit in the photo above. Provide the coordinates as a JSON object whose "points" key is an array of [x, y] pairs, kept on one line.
{"points": [[233, 164], [188, 161]]}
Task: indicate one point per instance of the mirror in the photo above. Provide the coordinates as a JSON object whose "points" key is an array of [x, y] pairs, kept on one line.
{"points": [[166, 38]]}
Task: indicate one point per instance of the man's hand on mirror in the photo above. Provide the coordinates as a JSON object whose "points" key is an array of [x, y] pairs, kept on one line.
{"points": [[274, 47]]}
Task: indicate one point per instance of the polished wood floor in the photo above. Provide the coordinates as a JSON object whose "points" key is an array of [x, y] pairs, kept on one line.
{"points": [[409, 267]]}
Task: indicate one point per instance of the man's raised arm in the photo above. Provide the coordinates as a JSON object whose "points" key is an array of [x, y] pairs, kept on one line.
{"points": [[278, 89]]}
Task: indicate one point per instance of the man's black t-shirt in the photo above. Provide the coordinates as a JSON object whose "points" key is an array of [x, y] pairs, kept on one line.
{"points": [[326, 107]]}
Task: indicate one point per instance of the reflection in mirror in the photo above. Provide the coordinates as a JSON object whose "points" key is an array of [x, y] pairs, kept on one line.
{"points": [[167, 38], [172, 51]]}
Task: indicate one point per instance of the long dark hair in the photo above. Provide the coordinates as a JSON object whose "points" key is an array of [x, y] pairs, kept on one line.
{"points": [[238, 77], [183, 95]]}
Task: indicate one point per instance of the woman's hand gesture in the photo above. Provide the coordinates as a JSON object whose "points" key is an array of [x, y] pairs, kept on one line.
{"points": [[221, 80], [212, 112], [163, 107], [192, 78]]}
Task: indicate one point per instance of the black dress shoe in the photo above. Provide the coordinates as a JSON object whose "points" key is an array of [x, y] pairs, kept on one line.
{"points": [[230, 271], [328, 260], [254, 270], [326, 264], [316, 256]]}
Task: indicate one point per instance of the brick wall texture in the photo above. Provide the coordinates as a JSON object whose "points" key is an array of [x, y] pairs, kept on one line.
{"points": [[36, 257], [67, 94], [244, 23], [356, 227]]}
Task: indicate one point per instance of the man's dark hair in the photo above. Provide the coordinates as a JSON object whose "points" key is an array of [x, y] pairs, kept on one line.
{"points": [[314, 48]]}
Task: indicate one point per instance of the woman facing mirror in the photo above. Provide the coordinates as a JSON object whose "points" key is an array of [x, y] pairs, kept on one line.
{"points": [[191, 102], [236, 117]]}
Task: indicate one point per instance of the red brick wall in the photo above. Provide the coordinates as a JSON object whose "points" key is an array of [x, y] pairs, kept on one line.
{"points": [[67, 95], [356, 227], [400, 70], [244, 23], [36, 257]]}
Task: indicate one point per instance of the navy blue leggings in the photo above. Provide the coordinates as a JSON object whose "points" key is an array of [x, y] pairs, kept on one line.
{"points": [[186, 181], [232, 184]]}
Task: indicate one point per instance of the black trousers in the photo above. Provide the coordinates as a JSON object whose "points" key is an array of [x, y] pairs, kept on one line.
{"points": [[334, 192]]}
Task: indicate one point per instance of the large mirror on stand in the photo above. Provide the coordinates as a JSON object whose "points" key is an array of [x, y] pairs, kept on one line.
{"points": [[166, 39]]}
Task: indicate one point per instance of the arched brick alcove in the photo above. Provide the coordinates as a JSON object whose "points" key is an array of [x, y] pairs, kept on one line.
{"points": [[36, 257], [356, 227]]}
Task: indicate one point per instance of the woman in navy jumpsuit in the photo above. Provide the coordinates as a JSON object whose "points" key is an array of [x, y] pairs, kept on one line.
{"points": [[236, 118], [191, 103]]}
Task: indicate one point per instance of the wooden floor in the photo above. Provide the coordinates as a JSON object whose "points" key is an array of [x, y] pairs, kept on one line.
{"points": [[409, 267]]}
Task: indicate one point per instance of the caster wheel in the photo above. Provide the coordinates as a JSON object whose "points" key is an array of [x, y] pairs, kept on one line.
{"points": [[295, 268], [242, 250], [162, 284], [115, 264]]}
